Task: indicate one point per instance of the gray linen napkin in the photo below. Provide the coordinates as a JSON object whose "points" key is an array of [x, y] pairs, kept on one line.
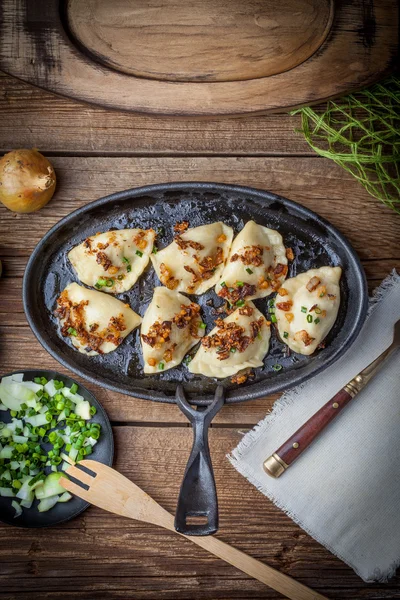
{"points": [[345, 489]]}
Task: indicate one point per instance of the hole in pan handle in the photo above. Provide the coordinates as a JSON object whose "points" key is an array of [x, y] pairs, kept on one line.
{"points": [[198, 495]]}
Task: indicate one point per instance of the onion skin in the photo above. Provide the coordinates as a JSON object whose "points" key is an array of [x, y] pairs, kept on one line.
{"points": [[27, 180]]}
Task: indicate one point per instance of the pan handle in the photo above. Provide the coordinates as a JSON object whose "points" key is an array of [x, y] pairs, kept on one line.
{"points": [[198, 495]]}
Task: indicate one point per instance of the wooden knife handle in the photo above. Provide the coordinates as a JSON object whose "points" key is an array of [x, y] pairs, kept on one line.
{"points": [[282, 458]]}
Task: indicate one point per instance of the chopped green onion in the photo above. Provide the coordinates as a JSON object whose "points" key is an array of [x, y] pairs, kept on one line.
{"points": [[317, 310], [240, 303], [285, 334], [139, 253], [250, 272], [128, 263], [187, 359], [110, 282], [72, 331], [101, 282], [277, 368], [233, 350], [161, 366], [223, 284], [273, 319], [23, 459], [202, 325], [309, 319], [155, 250], [304, 309], [317, 320], [239, 284]]}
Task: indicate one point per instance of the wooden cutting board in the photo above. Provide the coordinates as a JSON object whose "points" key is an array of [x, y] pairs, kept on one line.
{"points": [[199, 57]]}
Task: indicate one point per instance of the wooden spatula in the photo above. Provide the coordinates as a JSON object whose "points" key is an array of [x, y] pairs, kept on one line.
{"points": [[110, 490]]}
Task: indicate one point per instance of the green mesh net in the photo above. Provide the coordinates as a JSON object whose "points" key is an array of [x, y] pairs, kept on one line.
{"points": [[361, 132]]}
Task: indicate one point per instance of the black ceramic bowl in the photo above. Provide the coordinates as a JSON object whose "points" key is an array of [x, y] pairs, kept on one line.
{"points": [[103, 452]]}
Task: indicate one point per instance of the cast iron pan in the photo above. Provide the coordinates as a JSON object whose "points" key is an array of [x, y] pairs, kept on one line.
{"points": [[102, 452], [315, 243]]}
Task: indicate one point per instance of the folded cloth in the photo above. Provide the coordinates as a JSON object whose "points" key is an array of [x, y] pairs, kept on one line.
{"points": [[345, 489]]}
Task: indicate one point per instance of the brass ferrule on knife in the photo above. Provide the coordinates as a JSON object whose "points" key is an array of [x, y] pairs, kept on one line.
{"points": [[274, 465], [360, 381]]}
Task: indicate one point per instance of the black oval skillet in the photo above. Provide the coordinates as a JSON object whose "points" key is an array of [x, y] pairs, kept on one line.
{"points": [[315, 243]]}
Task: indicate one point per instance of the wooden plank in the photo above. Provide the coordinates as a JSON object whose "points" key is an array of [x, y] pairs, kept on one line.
{"points": [[188, 41], [31, 117], [100, 555], [360, 48], [316, 183]]}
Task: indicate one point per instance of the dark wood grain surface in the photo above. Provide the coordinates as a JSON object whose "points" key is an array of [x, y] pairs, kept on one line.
{"points": [[205, 58], [99, 556]]}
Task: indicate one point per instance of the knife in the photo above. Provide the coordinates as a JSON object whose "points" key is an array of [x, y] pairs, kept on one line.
{"points": [[285, 455]]}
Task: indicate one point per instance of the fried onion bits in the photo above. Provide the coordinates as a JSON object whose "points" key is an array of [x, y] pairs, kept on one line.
{"points": [[96, 323], [171, 326], [239, 341]]}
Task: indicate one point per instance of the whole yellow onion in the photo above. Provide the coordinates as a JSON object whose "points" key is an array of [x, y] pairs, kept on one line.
{"points": [[27, 180]]}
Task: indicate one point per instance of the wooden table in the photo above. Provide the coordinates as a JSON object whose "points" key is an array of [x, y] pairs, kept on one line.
{"points": [[97, 556]]}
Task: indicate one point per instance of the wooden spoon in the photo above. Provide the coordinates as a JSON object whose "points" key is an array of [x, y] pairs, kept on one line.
{"points": [[111, 491]]}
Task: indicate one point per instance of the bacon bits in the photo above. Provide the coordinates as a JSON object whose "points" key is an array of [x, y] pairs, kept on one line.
{"points": [[158, 334], [289, 254], [188, 316], [75, 320], [168, 354], [252, 255], [181, 226], [285, 306], [140, 240], [313, 284], [230, 338], [206, 268], [246, 311], [103, 260], [234, 294], [242, 376], [184, 244], [167, 278], [303, 336]]}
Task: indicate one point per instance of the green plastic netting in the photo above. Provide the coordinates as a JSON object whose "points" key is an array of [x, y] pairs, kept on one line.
{"points": [[361, 133]]}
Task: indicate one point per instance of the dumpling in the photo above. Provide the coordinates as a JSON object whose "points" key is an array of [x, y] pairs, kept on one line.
{"points": [[239, 341], [95, 323], [306, 308], [171, 326], [256, 266], [193, 262], [113, 261]]}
